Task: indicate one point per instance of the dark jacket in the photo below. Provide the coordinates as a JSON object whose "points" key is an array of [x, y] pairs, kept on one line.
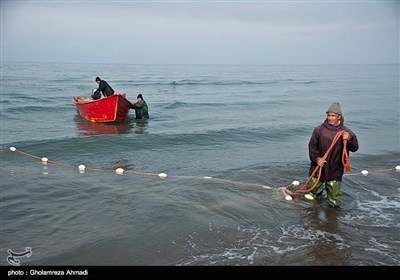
{"points": [[141, 110], [104, 88], [321, 140]]}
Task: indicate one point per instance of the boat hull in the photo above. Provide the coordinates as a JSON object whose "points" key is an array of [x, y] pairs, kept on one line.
{"points": [[114, 108]]}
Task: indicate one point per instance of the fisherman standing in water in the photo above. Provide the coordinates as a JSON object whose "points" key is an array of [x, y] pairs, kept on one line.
{"points": [[141, 108], [332, 168]]}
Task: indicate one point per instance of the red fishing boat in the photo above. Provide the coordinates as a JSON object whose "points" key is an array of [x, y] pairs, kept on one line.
{"points": [[114, 108]]}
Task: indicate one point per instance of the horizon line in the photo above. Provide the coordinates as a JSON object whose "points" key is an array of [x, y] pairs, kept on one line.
{"points": [[200, 64]]}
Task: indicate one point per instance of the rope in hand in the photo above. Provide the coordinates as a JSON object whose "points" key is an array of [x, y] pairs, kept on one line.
{"points": [[318, 169]]}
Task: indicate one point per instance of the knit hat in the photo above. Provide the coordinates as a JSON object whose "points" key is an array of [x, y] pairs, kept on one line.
{"points": [[335, 108]]}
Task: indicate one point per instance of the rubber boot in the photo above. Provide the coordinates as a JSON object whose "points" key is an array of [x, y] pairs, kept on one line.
{"points": [[333, 193], [317, 191]]}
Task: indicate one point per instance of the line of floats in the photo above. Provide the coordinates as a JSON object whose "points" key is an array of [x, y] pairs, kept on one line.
{"points": [[120, 171]]}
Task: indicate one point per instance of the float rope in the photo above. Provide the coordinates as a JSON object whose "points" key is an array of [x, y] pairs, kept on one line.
{"points": [[82, 168], [318, 169], [121, 171]]}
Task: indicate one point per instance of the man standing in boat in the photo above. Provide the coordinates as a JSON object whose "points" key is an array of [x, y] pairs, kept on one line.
{"points": [[104, 88], [141, 108]]}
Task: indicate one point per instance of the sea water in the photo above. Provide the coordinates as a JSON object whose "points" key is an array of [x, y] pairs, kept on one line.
{"points": [[229, 137]]}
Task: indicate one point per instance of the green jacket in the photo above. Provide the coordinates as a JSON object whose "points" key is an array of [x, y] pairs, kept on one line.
{"points": [[141, 110]]}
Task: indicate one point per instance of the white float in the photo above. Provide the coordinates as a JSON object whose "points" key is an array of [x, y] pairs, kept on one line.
{"points": [[309, 196], [13, 149], [288, 197], [119, 171], [162, 175], [364, 172], [295, 183], [81, 168]]}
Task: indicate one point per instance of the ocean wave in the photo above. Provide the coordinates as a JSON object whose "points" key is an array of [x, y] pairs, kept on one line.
{"points": [[181, 104], [241, 245], [206, 82], [37, 108]]}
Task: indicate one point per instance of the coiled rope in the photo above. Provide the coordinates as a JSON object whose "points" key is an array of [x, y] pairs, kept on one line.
{"points": [[318, 169]]}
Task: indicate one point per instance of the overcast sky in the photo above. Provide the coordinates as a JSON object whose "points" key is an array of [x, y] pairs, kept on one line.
{"points": [[201, 32]]}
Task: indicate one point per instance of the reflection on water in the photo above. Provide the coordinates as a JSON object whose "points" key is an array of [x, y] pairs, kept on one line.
{"points": [[87, 128], [139, 126], [329, 245]]}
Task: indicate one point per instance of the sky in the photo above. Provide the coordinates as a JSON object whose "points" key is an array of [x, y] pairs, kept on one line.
{"points": [[201, 32]]}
